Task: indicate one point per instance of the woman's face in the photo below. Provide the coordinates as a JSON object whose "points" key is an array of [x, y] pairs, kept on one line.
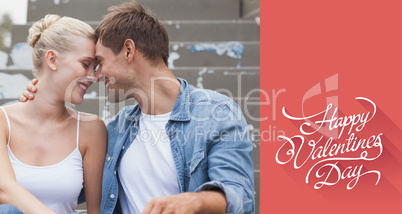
{"points": [[77, 70]]}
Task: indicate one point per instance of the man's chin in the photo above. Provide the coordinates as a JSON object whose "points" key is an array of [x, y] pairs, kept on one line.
{"points": [[116, 98]]}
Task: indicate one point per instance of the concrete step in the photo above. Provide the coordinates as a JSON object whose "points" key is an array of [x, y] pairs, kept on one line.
{"points": [[216, 31], [238, 82], [257, 182], [227, 54], [185, 31], [93, 10], [250, 9], [182, 54]]}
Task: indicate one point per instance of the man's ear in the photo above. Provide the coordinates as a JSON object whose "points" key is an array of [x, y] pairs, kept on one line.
{"points": [[50, 58], [129, 50]]}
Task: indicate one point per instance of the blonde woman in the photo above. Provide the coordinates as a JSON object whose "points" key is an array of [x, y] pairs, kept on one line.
{"points": [[49, 152]]}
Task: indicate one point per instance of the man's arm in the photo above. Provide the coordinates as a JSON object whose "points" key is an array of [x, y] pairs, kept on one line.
{"points": [[230, 166], [29, 93], [207, 202]]}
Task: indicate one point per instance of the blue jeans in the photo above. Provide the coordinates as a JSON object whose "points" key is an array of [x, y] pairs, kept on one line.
{"points": [[9, 209]]}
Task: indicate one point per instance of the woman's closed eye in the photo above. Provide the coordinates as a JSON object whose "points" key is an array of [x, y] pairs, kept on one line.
{"points": [[85, 65]]}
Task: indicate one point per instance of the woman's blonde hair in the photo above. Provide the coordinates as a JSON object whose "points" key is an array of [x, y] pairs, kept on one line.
{"points": [[55, 33]]}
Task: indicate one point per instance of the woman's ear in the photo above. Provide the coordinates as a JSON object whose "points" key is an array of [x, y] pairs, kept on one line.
{"points": [[129, 50], [50, 58]]}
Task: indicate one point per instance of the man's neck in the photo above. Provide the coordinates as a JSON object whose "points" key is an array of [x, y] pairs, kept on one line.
{"points": [[161, 89]]}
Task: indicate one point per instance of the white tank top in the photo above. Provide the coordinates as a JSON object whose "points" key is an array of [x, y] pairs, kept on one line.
{"points": [[57, 186]]}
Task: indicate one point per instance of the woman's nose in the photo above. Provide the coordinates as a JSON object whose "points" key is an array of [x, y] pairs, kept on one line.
{"points": [[91, 75]]}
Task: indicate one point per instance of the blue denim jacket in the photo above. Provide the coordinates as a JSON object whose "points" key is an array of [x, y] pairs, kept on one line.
{"points": [[210, 143]]}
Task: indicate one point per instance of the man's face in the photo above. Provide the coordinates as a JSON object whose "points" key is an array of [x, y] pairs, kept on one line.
{"points": [[113, 70]]}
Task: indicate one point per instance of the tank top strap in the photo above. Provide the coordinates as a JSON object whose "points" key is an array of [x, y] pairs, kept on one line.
{"points": [[8, 123], [78, 129]]}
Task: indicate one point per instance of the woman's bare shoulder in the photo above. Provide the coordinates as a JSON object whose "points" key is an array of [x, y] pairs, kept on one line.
{"points": [[10, 109], [93, 129], [4, 128], [90, 124]]}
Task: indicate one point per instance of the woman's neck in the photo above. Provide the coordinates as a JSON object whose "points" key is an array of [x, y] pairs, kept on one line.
{"points": [[46, 105]]}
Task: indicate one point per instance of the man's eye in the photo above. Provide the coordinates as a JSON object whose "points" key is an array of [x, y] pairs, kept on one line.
{"points": [[85, 65]]}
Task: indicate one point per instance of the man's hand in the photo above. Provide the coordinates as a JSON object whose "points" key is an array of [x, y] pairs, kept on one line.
{"points": [[188, 203], [28, 94]]}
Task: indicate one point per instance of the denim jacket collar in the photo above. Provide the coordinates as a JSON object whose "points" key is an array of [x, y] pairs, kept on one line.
{"points": [[181, 109]]}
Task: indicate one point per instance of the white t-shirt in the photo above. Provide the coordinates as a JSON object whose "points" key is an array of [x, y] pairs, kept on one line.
{"points": [[147, 169]]}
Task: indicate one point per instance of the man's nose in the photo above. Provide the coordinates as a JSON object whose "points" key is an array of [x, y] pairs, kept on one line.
{"points": [[99, 77]]}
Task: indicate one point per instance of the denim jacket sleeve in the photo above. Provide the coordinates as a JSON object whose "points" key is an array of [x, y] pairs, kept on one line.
{"points": [[230, 165]]}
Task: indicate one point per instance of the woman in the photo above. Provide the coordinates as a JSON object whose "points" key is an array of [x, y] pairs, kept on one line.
{"points": [[48, 152]]}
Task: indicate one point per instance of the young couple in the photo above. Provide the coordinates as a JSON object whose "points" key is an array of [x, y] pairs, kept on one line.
{"points": [[180, 150]]}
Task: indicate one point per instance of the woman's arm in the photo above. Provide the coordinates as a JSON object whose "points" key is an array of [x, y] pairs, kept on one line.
{"points": [[95, 139], [10, 191]]}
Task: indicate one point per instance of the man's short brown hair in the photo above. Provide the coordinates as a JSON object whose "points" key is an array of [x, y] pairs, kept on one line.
{"points": [[129, 20]]}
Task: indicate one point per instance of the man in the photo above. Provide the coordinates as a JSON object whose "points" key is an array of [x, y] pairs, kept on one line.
{"points": [[181, 149]]}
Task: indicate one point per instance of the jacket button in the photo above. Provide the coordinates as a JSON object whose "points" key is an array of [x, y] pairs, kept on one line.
{"points": [[112, 196], [108, 158]]}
